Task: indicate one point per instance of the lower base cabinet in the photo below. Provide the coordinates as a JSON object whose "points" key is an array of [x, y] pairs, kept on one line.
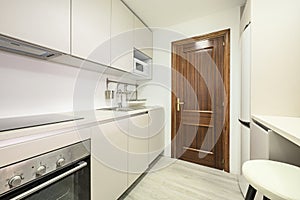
{"points": [[107, 183], [109, 160], [156, 128], [138, 147], [122, 151]]}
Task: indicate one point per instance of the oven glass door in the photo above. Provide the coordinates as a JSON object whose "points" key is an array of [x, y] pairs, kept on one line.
{"points": [[70, 183]]}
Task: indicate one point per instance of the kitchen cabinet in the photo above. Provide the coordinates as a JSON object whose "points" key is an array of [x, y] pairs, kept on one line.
{"points": [[122, 34], [109, 159], [156, 133], [120, 152], [143, 38], [276, 138], [45, 23], [271, 35], [137, 147], [91, 30]]}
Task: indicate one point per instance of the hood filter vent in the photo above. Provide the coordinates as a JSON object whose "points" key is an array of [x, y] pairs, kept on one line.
{"points": [[27, 49]]}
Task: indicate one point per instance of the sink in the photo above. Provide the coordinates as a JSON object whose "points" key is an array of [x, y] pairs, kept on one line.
{"points": [[123, 109], [107, 109]]}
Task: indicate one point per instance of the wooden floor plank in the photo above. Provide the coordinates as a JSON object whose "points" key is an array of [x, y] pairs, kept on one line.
{"points": [[177, 179]]}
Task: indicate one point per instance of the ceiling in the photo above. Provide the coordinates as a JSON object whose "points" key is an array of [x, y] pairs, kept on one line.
{"points": [[164, 13]]}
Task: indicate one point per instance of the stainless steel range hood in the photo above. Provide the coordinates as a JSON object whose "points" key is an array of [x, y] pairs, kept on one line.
{"points": [[27, 49]]}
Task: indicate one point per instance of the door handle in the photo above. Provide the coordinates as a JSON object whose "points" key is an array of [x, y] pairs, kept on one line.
{"points": [[178, 104]]}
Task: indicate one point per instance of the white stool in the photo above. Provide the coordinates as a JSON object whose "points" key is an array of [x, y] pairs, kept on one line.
{"points": [[275, 180]]}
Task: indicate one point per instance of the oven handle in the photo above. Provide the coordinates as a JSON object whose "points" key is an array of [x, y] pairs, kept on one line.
{"points": [[49, 182]]}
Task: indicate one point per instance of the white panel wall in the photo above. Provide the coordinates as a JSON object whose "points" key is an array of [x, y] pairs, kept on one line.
{"points": [[158, 91], [30, 86], [275, 57]]}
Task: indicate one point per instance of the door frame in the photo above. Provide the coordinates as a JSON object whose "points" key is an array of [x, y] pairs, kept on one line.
{"points": [[226, 129]]}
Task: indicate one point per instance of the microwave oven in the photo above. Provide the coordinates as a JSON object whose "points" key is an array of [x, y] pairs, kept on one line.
{"points": [[141, 68]]}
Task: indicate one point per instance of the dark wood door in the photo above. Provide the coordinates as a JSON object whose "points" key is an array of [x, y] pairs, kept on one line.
{"points": [[200, 100]]}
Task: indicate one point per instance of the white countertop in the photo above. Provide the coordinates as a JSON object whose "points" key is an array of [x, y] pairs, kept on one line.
{"points": [[287, 127], [16, 145]]}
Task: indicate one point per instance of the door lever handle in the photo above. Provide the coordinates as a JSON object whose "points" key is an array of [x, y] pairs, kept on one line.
{"points": [[178, 104]]}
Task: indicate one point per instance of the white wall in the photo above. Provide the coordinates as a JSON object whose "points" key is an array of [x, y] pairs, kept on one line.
{"points": [[158, 91], [275, 57], [29, 86]]}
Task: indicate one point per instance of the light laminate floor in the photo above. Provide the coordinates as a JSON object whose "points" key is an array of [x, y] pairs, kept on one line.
{"points": [[176, 179]]}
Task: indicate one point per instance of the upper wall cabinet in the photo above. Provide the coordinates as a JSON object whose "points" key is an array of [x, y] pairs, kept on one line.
{"points": [[143, 39], [91, 30], [122, 26], [45, 23]]}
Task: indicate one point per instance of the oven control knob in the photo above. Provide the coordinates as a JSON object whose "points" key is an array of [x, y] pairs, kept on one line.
{"points": [[41, 170], [15, 181], [60, 162]]}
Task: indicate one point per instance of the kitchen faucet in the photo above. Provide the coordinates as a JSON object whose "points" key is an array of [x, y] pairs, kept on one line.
{"points": [[109, 94]]}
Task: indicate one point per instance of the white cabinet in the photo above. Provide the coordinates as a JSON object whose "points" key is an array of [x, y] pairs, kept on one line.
{"points": [[275, 50], [109, 160], [143, 38], [120, 152], [137, 147], [122, 25], [156, 133], [45, 23], [91, 30]]}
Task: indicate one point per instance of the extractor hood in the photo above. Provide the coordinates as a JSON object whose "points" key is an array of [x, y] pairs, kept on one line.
{"points": [[27, 49], [17, 46]]}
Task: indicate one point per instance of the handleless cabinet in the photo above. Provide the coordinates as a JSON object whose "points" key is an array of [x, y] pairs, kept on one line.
{"points": [[91, 30], [137, 147], [156, 133], [45, 23], [122, 34], [143, 38], [109, 159], [120, 151]]}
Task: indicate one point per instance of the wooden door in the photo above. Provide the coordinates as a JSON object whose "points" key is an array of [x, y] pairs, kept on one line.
{"points": [[200, 100]]}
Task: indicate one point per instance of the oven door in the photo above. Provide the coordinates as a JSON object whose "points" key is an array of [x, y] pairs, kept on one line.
{"points": [[69, 183]]}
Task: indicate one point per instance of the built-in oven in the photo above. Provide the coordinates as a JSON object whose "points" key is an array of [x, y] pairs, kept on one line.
{"points": [[62, 174]]}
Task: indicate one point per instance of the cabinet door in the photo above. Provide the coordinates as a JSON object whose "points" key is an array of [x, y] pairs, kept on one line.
{"points": [[109, 160], [91, 30], [137, 147], [122, 36], [45, 23], [156, 133], [143, 40], [149, 43]]}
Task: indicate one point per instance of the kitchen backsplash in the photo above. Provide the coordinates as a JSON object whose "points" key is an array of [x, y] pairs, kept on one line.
{"points": [[29, 86]]}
